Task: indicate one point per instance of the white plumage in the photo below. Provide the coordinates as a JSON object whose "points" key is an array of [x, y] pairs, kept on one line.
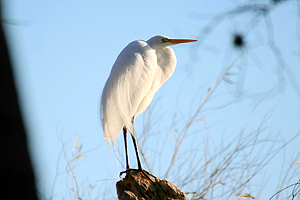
{"points": [[139, 71]]}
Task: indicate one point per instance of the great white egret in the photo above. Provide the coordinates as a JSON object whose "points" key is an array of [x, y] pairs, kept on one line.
{"points": [[139, 71]]}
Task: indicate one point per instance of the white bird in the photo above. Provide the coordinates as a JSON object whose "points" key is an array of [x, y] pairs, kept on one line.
{"points": [[139, 71]]}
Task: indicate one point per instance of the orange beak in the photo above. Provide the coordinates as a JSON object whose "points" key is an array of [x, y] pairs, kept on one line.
{"points": [[178, 41]]}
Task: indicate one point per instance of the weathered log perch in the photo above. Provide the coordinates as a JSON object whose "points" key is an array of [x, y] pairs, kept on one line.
{"points": [[139, 186]]}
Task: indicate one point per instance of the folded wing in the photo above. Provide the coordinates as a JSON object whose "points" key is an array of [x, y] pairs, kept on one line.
{"points": [[129, 82]]}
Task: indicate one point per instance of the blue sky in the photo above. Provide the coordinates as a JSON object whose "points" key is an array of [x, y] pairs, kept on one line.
{"points": [[63, 51]]}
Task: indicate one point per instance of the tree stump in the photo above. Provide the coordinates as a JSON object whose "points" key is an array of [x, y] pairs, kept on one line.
{"points": [[140, 186]]}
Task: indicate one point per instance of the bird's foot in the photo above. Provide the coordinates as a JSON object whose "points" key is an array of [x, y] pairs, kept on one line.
{"points": [[122, 172], [138, 170], [147, 173]]}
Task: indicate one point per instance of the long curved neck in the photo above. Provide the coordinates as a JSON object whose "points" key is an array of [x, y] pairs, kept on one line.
{"points": [[166, 61]]}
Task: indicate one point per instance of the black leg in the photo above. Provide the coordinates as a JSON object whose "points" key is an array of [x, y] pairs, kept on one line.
{"points": [[135, 147], [126, 149], [137, 153]]}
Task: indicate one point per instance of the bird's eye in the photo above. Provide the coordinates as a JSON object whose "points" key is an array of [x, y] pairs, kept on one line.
{"points": [[165, 40]]}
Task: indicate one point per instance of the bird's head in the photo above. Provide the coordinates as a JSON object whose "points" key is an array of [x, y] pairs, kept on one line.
{"points": [[160, 41]]}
